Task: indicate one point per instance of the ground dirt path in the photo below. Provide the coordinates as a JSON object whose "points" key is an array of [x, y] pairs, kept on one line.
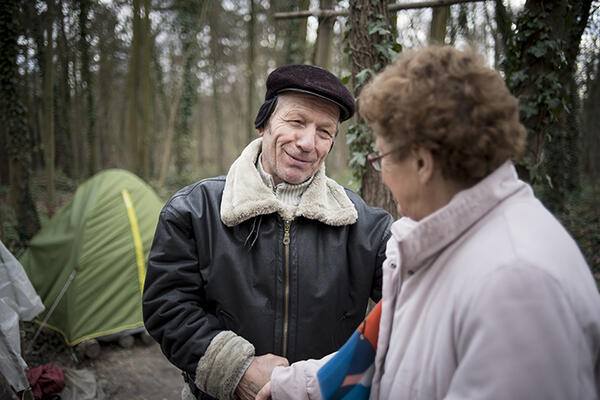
{"points": [[140, 372]]}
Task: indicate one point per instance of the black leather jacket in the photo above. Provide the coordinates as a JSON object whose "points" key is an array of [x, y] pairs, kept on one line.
{"points": [[297, 289]]}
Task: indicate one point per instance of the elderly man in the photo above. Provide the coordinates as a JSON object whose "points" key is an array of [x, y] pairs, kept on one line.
{"points": [[274, 262]]}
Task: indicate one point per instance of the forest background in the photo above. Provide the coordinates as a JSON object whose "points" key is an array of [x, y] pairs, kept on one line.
{"points": [[168, 89]]}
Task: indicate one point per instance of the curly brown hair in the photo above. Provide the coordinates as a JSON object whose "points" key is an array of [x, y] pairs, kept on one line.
{"points": [[450, 102]]}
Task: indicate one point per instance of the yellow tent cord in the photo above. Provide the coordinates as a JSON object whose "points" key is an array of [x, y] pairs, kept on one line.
{"points": [[137, 241]]}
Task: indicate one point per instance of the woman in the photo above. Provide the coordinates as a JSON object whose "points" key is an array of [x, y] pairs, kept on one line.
{"points": [[485, 295]]}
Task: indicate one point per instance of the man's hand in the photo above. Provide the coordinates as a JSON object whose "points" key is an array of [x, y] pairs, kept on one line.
{"points": [[265, 392], [258, 374]]}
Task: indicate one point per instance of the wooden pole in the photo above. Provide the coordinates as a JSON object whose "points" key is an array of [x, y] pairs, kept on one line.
{"points": [[391, 8]]}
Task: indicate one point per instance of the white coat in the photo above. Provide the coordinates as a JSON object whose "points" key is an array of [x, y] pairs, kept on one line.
{"points": [[487, 298]]}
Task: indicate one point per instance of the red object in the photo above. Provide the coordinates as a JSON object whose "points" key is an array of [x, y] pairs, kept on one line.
{"points": [[46, 379]]}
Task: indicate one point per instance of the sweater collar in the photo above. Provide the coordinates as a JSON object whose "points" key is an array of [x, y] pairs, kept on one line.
{"points": [[286, 192], [432, 234], [246, 196]]}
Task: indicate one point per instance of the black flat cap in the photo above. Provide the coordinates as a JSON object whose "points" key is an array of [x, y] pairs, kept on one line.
{"points": [[305, 79]]}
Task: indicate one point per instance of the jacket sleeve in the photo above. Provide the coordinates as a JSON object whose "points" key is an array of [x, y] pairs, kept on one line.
{"points": [[298, 381], [177, 316], [385, 232], [516, 340], [368, 240]]}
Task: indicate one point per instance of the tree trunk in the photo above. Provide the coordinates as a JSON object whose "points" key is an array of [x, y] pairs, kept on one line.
{"points": [[48, 102], [64, 156], [563, 158], [131, 126], [33, 19], [145, 133], [294, 34], [76, 128], [365, 56], [3, 159], [86, 77], [166, 154], [12, 114], [214, 60], [106, 69], [251, 104], [543, 82], [322, 50], [591, 122], [188, 18], [439, 22]]}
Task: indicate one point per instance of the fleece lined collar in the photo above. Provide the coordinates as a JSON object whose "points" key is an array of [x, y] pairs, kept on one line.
{"points": [[246, 196]]}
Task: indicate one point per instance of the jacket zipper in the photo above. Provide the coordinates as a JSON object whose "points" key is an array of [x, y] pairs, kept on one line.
{"points": [[286, 244]]}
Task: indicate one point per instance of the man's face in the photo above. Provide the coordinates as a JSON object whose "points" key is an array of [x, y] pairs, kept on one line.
{"points": [[298, 137]]}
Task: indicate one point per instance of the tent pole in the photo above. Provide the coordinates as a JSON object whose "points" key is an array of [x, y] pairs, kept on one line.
{"points": [[60, 295]]}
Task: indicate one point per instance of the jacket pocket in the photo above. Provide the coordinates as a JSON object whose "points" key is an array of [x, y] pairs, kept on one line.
{"points": [[345, 326], [227, 320]]}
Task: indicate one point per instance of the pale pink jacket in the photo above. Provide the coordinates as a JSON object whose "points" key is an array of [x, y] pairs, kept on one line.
{"points": [[487, 298]]}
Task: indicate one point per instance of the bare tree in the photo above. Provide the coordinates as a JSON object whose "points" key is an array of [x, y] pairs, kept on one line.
{"points": [[215, 46], [322, 49], [439, 23], [48, 102], [86, 77], [251, 72], [13, 117], [294, 33]]}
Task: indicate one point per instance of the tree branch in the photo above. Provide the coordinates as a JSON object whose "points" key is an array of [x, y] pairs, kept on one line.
{"points": [[391, 8]]}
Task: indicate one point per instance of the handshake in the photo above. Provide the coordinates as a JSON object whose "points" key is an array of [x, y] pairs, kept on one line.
{"points": [[255, 381]]}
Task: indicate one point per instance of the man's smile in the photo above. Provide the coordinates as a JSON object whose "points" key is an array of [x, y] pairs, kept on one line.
{"points": [[298, 160]]}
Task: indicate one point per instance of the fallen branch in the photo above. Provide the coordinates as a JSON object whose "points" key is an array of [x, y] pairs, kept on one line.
{"points": [[392, 8]]}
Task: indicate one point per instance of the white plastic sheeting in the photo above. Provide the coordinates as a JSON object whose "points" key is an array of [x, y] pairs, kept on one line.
{"points": [[81, 384], [18, 301]]}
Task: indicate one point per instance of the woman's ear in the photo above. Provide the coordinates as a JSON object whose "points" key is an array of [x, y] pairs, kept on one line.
{"points": [[425, 163]]}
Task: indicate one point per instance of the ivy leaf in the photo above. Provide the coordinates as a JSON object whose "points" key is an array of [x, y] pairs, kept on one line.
{"points": [[383, 49], [351, 135], [538, 50], [528, 110], [517, 77], [346, 79], [358, 159], [552, 102], [378, 28], [363, 76]]}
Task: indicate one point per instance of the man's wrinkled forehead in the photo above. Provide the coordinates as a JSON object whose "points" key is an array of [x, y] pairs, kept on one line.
{"points": [[291, 103]]}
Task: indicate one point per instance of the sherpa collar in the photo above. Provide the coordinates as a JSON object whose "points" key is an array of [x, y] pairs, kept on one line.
{"points": [[246, 196]]}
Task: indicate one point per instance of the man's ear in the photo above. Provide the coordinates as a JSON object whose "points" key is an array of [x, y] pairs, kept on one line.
{"points": [[261, 130], [425, 164]]}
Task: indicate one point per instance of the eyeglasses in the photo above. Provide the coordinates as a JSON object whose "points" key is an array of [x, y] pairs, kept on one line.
{"points": [[375, 158]]}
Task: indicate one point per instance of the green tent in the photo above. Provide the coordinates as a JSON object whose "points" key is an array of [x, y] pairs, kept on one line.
{"points": [[88, 262]]}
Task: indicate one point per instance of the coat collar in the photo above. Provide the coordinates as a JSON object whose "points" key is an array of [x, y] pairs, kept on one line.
{"points": [[432, 234], [246, 196]]}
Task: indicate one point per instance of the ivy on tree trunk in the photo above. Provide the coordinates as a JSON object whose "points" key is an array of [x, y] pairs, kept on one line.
{"points": [[371, 46], [539, 66], [12, 112]]}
